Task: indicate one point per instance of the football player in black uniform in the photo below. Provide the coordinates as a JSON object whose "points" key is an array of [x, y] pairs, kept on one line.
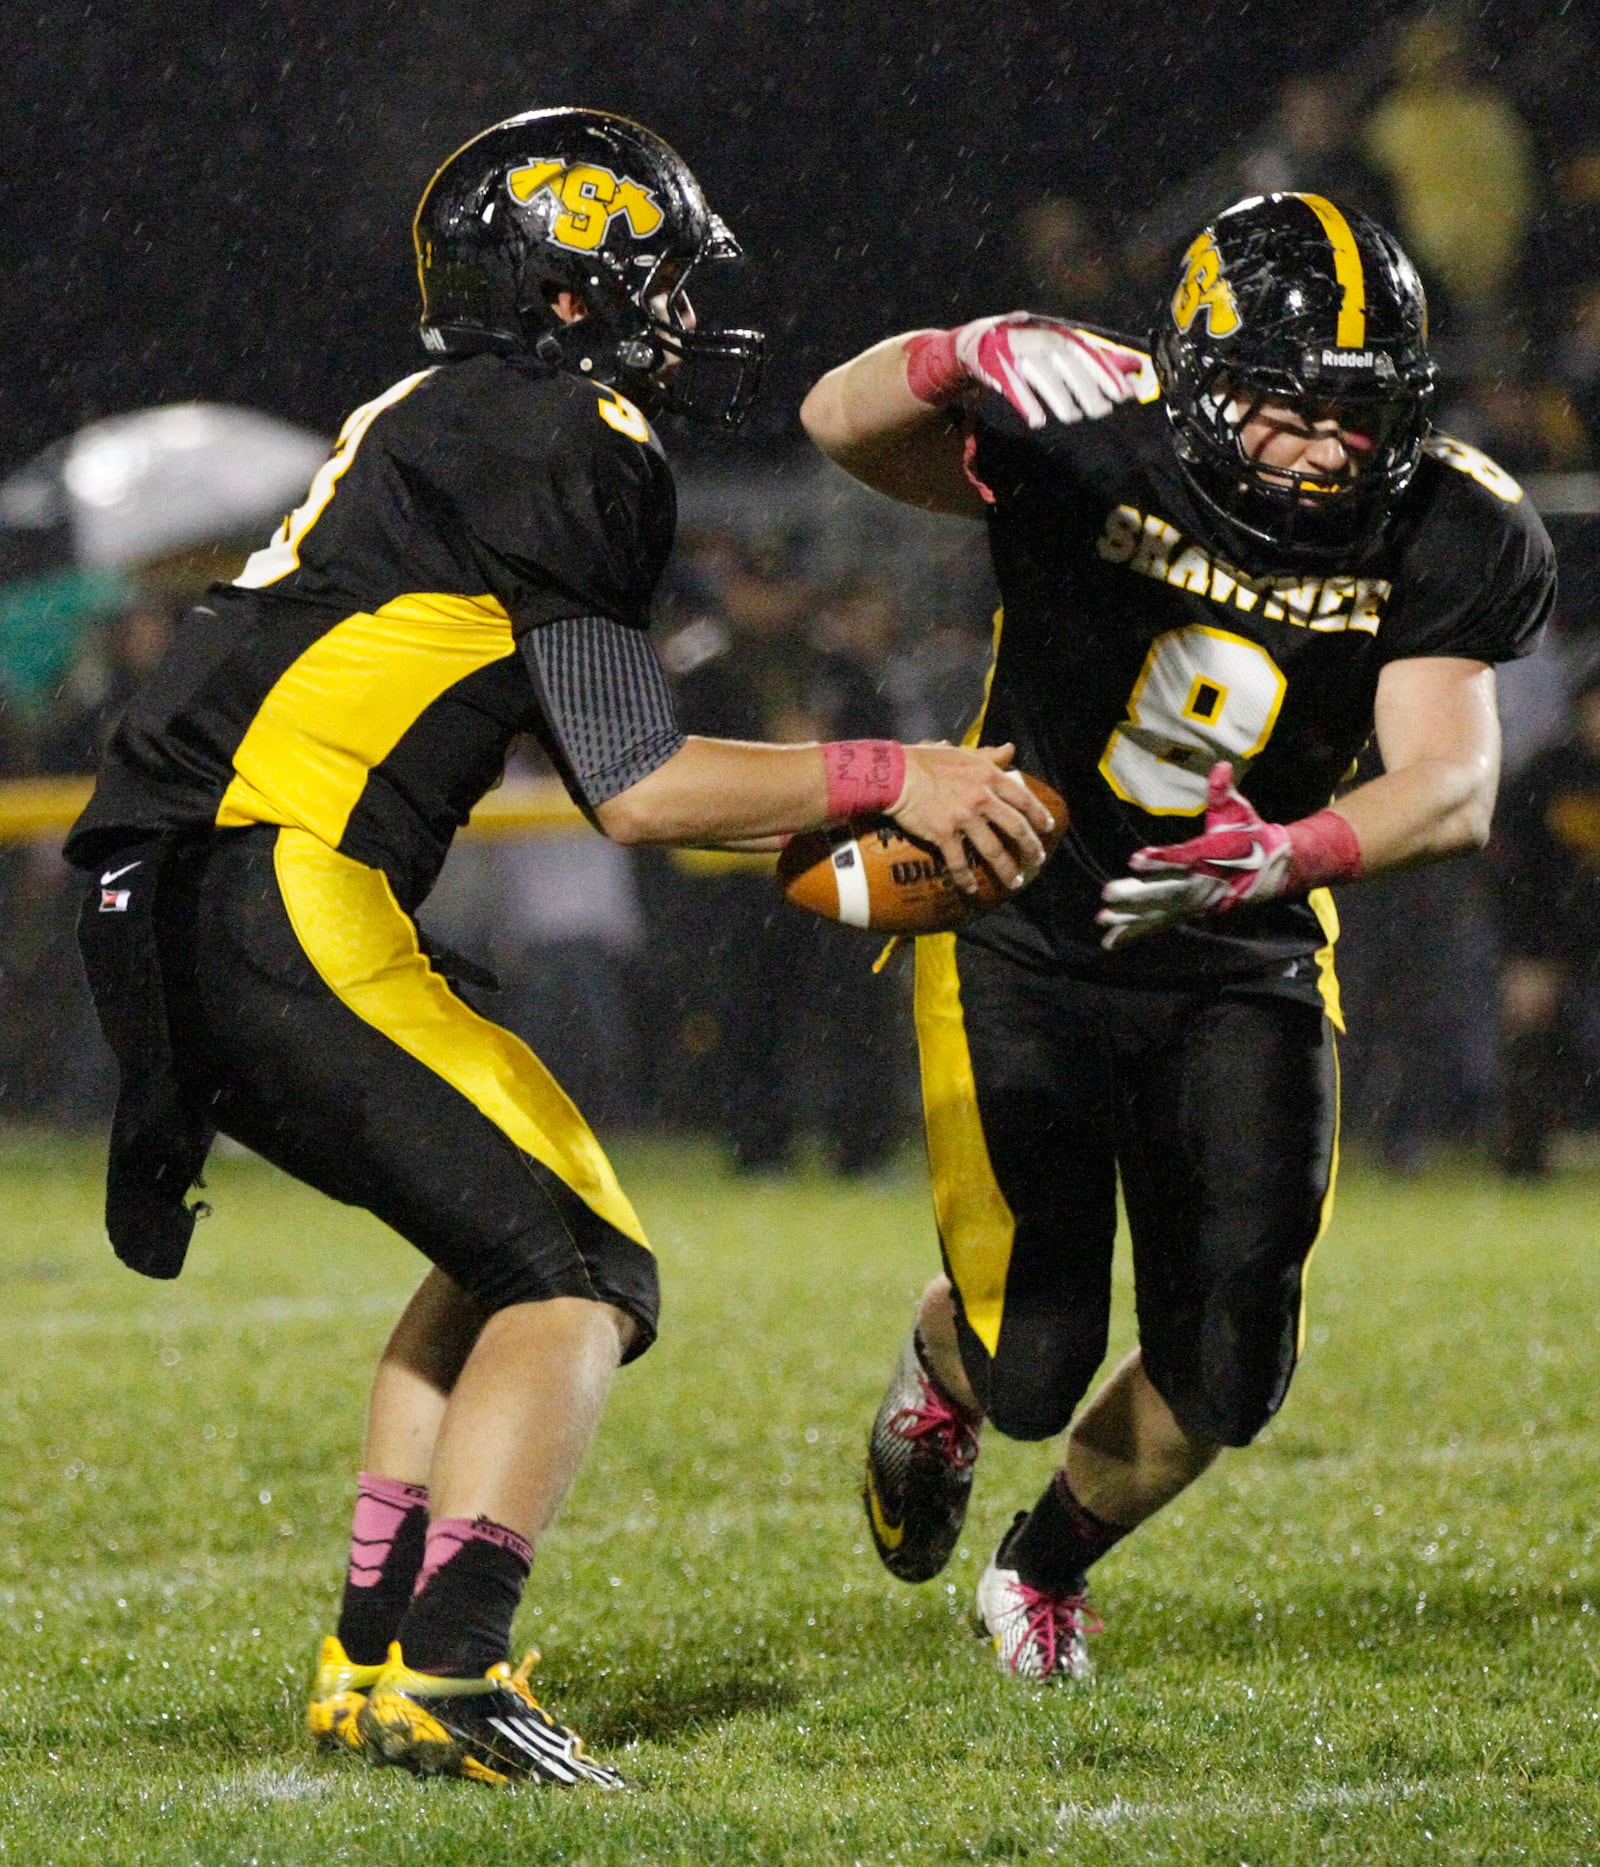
{"points": [[1225, 559], [476, 560]]}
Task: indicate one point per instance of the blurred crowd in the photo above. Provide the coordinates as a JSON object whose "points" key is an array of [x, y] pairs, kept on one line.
{"points": [[673, 992]]}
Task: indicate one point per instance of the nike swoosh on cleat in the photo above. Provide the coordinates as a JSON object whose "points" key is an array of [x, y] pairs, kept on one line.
{"points": [[891, 1535], [112, 874]]}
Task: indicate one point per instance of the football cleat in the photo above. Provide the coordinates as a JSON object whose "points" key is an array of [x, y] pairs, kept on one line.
{"points": [[337, 1694], [489, 1730], [1037, 1634], [919, 1471]]}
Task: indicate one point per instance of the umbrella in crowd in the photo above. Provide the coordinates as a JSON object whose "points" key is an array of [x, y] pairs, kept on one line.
{"points": [[121, 494]]}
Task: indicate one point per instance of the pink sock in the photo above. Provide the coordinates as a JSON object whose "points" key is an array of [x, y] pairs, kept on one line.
{"points": [[447, 1534], [382, 1505], [459, 1620]]}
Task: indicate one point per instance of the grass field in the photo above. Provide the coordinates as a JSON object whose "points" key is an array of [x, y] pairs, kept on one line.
{"points": [[1372, 1637]]}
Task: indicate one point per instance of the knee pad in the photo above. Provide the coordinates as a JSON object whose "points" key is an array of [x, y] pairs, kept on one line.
{"points": [[1227, 1373], [1043, 1368]]}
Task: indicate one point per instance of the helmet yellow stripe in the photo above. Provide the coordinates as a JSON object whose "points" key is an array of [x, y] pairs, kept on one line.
{"points": [[1351, 332]]}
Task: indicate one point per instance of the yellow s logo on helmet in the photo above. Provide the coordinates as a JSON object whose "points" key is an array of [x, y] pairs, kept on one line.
{"points": [[588, 196], [1204, 290]]}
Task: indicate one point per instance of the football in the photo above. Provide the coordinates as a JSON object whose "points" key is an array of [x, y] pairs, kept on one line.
{"points": [[873, 875]]}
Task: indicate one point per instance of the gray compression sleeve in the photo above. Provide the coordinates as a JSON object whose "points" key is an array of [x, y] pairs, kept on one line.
{"points": [[605, 696]]}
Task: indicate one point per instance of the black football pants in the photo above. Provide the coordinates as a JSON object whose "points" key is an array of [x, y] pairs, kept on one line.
{"points": [[307, 1023], [1218, 1111]]}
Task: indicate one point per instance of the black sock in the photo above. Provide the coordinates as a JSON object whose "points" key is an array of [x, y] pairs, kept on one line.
{"points": [[369, 1617], [459, 1621], [1052, 1547]]}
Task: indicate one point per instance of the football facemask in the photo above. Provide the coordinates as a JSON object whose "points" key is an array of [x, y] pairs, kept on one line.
{"points": [[1301, 512], [711, 374]]}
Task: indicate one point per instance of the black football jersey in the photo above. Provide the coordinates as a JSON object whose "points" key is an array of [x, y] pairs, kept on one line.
{"points": [[1131, 655], [361, 678]]}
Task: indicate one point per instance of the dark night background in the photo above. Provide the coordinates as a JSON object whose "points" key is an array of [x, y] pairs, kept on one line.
{"points": [[215, 203]]}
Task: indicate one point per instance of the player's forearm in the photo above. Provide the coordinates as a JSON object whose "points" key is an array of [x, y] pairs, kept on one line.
{"points": [[865, 403], [721, 791], [1431, 806], [865, 417], [1435, 808], [1439, 734], [963, 801]]}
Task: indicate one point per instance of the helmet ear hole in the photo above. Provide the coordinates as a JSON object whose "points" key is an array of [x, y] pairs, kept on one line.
{"points": [[563, 303]]}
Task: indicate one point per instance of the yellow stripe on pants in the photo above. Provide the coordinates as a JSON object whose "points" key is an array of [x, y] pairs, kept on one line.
{"points": [[976, 1224], [1320, 901], [1326, 1212], [365, 949]]}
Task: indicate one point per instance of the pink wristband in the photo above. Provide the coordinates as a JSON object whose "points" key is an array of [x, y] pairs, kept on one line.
{"points": [[1324, 849], [933, 373], [865, 777]]}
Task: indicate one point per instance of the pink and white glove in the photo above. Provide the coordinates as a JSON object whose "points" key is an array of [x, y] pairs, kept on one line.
{"points": [[1038, 365], [1240, 858]]}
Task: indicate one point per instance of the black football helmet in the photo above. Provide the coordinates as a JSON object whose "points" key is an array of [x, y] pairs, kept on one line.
{"points": [[1284, 298], [587, 202]]}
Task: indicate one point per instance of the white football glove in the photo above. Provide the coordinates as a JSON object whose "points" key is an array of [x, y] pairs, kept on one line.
{"points": [[1238, 859], [1043, 367]]}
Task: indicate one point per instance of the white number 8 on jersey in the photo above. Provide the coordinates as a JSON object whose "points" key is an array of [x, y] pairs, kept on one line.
{"points": [[1202, 695]]}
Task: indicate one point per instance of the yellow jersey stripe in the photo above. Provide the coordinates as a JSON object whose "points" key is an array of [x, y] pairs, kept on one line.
{"points": [[345, 704], [364, 948], [975, 731], [1351, 330], [976, 1224], [1320, 902]]}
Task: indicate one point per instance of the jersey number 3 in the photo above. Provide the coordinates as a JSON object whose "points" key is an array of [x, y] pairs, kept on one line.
{"points": [[1203, 694]]}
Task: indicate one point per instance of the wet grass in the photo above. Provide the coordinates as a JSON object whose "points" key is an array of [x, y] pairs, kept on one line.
{"points": [[1372, 1637]]}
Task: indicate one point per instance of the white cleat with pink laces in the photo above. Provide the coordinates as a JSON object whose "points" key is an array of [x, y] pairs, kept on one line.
{"points": [[1037, 1634]]}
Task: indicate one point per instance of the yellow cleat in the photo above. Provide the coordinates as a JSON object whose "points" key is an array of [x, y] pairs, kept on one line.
{"points": [[489, 1730], [338, 1692]]}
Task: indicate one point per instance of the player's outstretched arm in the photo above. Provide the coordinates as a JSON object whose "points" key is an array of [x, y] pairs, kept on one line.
{"points": [[1439, 735], [727, 791]]}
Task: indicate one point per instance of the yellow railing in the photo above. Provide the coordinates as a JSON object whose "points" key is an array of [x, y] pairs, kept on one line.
{"points": [[39, 807]]}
